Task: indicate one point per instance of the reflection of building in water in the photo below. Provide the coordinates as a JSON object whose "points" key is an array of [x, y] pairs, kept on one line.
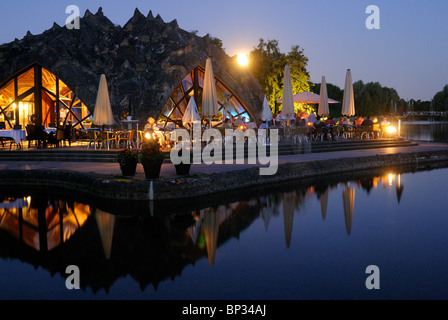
{"points": [[40, 223], [209, 222], [387, 181], [150, 249]]}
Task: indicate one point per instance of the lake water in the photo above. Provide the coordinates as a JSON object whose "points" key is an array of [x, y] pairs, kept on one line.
{"points": [[425, 131], [303, 240]]}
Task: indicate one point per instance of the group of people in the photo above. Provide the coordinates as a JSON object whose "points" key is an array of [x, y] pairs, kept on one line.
{"points": [[241, 123], [312, 121]]}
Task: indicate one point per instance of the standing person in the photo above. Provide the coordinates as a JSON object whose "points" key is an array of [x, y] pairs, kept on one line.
{"points": [[279, 119], [312, 117]]}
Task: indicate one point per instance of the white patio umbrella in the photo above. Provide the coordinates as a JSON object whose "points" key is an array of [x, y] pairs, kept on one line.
{"points": [[266, 112], [288, 102], [348, 102], [308, 98], [191, 114], [102, 114], [210, 106], [323, 109]]}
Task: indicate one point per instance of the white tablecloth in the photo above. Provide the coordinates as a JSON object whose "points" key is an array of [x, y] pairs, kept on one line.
{"points": [[16, 135]]}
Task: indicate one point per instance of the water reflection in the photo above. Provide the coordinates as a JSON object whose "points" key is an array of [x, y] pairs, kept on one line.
{"points": [[41, 223], [425, 131], [156, 247]]}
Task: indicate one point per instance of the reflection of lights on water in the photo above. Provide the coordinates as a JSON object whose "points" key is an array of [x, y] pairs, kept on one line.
{"points": [[391, 178]]}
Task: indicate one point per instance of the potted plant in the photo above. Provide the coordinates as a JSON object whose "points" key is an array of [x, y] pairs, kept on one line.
{"points": [[128, 159], [151, 158]]}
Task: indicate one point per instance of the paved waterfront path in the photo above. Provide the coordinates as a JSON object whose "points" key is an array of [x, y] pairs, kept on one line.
{"points": [[168, 170]]}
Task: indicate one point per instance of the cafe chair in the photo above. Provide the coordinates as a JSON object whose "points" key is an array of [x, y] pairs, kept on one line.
{"points": [[127, 137]]}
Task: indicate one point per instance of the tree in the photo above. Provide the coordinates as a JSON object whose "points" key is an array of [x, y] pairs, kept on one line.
{"points": [[440, 100], [373, 99], [268, 66]]}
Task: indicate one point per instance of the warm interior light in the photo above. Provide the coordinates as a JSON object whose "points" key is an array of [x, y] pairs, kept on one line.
{"points": [[391, 129], [243, 59]]}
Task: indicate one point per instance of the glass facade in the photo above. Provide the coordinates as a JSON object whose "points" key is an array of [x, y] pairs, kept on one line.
{"points": [[191, 86], [36, 95]]}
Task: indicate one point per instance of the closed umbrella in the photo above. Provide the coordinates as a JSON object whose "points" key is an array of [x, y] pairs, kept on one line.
{"points": [[209, 97], [288, 102], [348, 102], [323, 101], [102, 114], [191, 114], [266, 112]]}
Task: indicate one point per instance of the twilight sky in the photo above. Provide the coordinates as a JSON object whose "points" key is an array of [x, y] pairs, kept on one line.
{"points": [[409, 52]]}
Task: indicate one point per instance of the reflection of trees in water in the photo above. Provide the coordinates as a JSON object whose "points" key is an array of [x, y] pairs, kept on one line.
{"points": [[428, 131]]}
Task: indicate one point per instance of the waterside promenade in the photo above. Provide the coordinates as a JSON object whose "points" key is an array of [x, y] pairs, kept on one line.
{"points": [[105, 180]]}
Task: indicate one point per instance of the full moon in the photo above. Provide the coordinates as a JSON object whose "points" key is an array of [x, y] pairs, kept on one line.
{"points": [[243, 60]]}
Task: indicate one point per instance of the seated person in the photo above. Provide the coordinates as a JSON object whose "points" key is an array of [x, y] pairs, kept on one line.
{"points": [[279, 119], [311, 117], [385, 122], [251, 125], [328, 128], [376, 124], [359, 121], [238, 123], [344, 121], [152, 125], [226, 124], [367, 122], [316, 126]]}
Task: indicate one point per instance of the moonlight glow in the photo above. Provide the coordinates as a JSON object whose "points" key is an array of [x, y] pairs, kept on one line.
{"points": [[243, 60]]}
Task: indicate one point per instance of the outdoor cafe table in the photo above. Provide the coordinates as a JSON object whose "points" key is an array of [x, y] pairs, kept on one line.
{"points": [[16, 135]]}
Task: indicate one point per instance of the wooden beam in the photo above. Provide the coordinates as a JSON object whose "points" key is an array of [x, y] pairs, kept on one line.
{"points": [[38, 93]]}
